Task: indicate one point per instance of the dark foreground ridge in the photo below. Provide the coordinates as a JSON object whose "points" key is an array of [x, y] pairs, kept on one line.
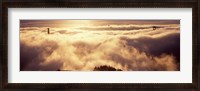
{"points": [[106, 68], [100, 68]]}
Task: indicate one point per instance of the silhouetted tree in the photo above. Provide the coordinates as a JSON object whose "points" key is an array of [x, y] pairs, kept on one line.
{"points": [[106, 68]]}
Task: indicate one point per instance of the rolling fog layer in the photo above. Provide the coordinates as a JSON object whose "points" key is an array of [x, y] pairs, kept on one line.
{"points": [[129, 47]]}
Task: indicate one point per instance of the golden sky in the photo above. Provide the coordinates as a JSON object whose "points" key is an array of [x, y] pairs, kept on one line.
{"points": [[66, 23]]}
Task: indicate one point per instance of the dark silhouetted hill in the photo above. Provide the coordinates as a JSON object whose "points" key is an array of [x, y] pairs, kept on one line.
{"points": [[99, 68], [106, 68]]}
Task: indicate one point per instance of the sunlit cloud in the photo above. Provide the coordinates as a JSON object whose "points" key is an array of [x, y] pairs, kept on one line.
{"points": [[81, 47]]}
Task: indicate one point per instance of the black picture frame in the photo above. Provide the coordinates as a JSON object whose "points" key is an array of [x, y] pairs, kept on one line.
{"points": [[194, 4]]}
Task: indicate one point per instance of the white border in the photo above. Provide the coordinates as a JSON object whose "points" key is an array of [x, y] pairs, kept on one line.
{"points": [[183, 76]]}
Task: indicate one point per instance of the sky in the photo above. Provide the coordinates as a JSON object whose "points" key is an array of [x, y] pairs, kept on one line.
{"points": [[67, 23], [82, 45]]}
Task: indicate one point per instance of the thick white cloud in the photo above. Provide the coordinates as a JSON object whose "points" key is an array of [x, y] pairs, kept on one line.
{"points": [[83, 49]]}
